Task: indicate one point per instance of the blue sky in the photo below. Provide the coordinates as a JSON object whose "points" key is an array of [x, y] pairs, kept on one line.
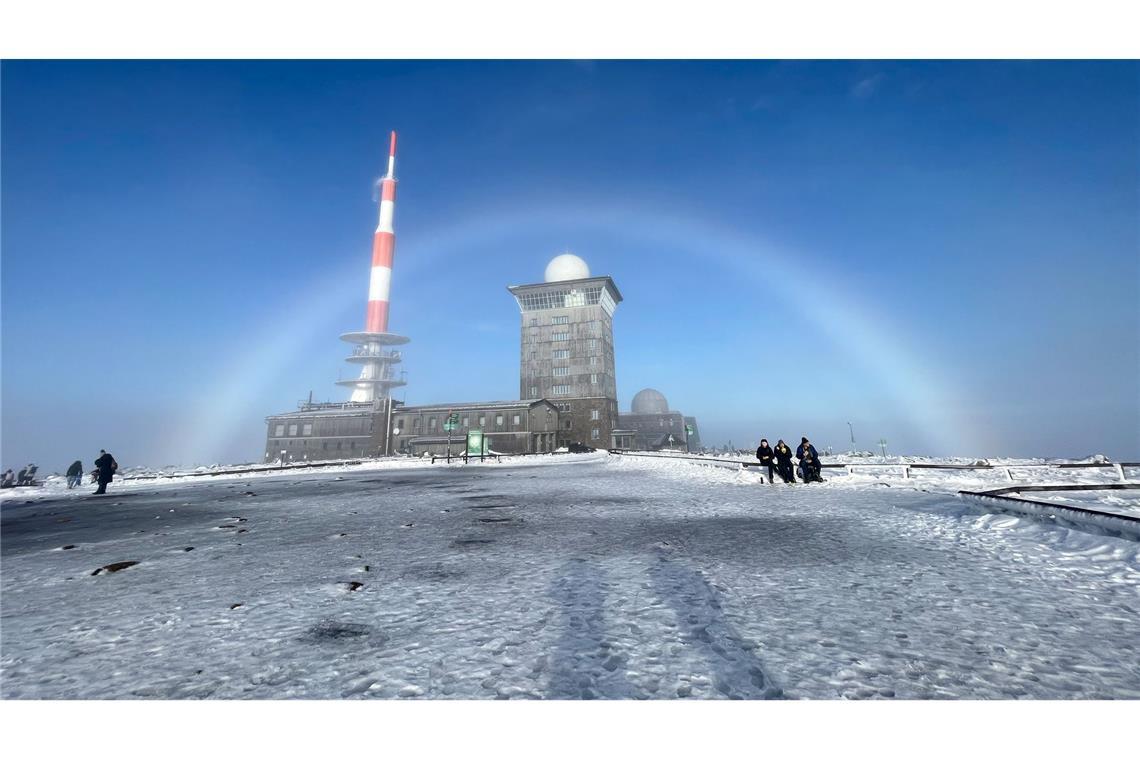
{"points": [[944, 254]]}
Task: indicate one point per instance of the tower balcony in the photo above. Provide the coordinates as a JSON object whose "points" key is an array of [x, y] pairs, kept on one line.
{"points": [[372, 353], [375, 338]]}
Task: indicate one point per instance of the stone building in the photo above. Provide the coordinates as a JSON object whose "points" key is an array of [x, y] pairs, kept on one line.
{"points": [[510, 427], [654, 426], [567, 349], [567, 392], [350, 430]]}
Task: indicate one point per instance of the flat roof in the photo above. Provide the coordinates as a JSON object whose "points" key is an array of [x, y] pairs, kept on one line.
{"points": [[562, 284]]}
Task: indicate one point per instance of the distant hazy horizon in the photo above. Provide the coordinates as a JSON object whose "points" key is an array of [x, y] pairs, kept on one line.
{"points": [[946, 255]]}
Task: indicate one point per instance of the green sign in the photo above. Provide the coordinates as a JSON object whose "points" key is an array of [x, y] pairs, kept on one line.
{"points": [[688, 429], [450, 425], [475, 443]]}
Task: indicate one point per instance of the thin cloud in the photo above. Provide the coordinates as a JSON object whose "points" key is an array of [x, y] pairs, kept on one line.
{"points": [[865, 88]]}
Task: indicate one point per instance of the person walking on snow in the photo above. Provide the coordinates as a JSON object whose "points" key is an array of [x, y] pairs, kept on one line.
{"points": [[784, 462], [75, 474], [106, 466], [809, 461], [767, 457]]}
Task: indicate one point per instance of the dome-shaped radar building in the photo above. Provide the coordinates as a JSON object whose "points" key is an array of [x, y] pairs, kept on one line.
{"points": [[654, 426], [649, 401], [566, 266]]}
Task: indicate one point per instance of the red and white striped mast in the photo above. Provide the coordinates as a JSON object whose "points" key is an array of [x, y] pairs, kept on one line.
{"points": [[377, 376]]}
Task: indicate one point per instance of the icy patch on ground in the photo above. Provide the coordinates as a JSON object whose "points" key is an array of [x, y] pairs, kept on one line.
{"points": [[572, 577]]}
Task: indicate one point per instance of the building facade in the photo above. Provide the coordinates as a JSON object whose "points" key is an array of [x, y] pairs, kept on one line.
{"points": [[567, 349], [654, 426], [528, 426], [350, 430]]}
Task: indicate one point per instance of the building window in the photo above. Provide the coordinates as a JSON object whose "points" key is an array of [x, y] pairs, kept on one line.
{"points": [[561, 371], [593, 361], [561, 353], [594, 434], [564, 407], [560, 390], [592, 344], [593, 378], [339, 444], [416, 424], [560, 320], [307, 429], [325, 446], [534, 321], [431, 423], [566, 425], [280, 430], [533, 391], [594, 414], [482, 421], [466, 421], [498, 420], [292, 430], [533, 355], [517, 419], [560, 336]]}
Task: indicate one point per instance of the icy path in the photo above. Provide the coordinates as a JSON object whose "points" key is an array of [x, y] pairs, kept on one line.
{"points": [[577, 577]]}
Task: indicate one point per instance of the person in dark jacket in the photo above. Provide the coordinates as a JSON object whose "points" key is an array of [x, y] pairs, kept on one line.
{"points": [[809, 461], [767, 457], [784, 461], [75, 474], [106, 466]]}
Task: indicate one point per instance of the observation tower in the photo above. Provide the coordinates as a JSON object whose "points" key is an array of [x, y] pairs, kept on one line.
{"points": [[378, 375]]}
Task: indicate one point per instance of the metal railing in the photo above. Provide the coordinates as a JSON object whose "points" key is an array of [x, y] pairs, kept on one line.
{"points": [[378, 353], [906, 467]]}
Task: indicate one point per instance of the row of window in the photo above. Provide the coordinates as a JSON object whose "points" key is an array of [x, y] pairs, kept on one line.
{"points": [[560, 299], [564, 335], [306, 429], [276, 446], [433, 422], [553, 320], [564, 353]]}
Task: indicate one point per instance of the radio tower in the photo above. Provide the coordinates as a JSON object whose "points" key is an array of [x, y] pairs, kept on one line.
{"points": [[377, 375]]}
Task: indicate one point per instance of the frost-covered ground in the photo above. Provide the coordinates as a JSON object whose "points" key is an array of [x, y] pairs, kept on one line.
{"points": [[568, 577]]}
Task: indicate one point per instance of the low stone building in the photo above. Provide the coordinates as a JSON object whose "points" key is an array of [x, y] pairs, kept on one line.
{"points": [[653, 426], [510, 427], [319, 431]]}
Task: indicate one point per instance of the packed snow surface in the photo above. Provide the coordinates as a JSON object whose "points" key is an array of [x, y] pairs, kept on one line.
{"points": [[568, 577]]}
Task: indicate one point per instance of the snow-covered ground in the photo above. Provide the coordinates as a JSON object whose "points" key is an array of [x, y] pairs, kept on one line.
{"points": [[569, 577]]}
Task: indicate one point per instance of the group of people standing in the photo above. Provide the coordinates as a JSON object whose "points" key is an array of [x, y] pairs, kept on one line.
{"points": [[104, 472], [779, 461]]}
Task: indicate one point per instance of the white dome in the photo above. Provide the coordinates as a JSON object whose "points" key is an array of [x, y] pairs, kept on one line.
{"points": [[649, 401], [566, 266]]}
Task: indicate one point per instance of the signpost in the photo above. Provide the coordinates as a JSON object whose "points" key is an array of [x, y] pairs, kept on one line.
{"points": [[688, 435], [450, 424]]}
